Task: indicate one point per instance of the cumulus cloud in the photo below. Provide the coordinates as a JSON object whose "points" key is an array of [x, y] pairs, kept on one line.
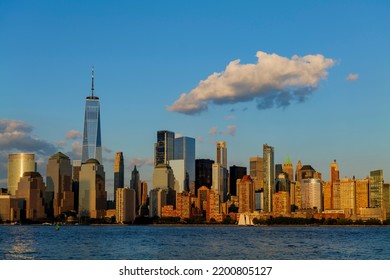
{"points": [[73, 134], [139, 161], [77, 150], [352, 77], [16, 136], [274, 81], [230, 117], [200, 139], [213, 131]]}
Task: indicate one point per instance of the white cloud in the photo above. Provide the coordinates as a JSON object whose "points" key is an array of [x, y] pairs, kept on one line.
{"points": [[139, 161], [353, 77], [73, 134], [213, 131], [77, 149], [200, 139], [273, 81], [106, 149]]}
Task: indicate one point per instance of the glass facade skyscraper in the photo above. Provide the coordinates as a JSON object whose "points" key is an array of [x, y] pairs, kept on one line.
{"points": [[92, 143], [17, 165], [119, 173], [269, 176], [183, 164], [164, 147]]}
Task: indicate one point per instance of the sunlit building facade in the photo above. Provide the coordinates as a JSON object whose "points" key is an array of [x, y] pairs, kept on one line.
{"points": [[17, 165], [376, 189], [311, 194], [125, 205]]}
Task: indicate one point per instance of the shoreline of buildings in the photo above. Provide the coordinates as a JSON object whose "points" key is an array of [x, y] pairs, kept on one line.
{"points": [[183, 187]]}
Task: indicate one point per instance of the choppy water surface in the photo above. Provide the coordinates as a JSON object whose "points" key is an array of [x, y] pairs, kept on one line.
{"points": [[193, 242]]}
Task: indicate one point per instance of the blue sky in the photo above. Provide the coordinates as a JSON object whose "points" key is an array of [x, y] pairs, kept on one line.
{"points": [[147, 53]]}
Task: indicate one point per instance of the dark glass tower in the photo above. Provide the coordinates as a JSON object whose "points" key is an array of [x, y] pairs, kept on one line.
{"points": [[236, 172], [203, 173], [92, 143], [119, 173], [164, 147]]}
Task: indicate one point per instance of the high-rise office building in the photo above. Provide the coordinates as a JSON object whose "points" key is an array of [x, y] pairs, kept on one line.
{"points": [[362, 193], [348, 194], [92, 190], [183, 163], [246, 195], [220, 181], [288, 168], [164, 147], [158, 199], [235, 172], [222, 154], [17, 165], [376, 189], [59, 192], [334, 172], [92, 143], [125, 205], [269, 176], [203, 173], [298, 176], [119, 173], [256, 171], [32, 189], [334, 176], [135, 184], [311, 194]]}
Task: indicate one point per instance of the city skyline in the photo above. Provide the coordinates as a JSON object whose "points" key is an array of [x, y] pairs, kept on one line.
{"points": [[151, 60]]}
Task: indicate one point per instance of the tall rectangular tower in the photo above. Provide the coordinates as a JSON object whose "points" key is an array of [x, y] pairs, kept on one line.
{"points": [[183, 164], [269, 176], [376, 189], [222, 153], [59, 184], [92, 143], [119, 173], [164, 147]]}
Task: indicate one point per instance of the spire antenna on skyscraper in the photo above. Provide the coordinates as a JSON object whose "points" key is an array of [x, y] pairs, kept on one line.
{"points": [[93, 76]]}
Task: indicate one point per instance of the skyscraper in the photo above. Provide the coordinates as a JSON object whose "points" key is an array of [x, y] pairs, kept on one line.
{"points": [[183, 164], [235, 172], [92, 143], [203, 173], [119, 173], [376, 189], [164, 147], [288, 168], [17, 165], [59, 185], [32, 189], [135, 184], [269, 176], [92, 190], [222, 153]]}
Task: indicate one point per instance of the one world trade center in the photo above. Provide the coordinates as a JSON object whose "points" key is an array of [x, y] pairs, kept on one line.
{"points": [[92, 143]]}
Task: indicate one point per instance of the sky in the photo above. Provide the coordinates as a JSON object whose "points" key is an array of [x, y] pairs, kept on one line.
{"points": [[310, 78]]}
